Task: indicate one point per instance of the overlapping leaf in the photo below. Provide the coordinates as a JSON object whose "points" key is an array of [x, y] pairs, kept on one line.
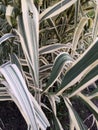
{"points": [[90, 104], [89, 78], [28, 28], [22, 97], [74, 117], [59, 63], [52, 100], [79, 68]]}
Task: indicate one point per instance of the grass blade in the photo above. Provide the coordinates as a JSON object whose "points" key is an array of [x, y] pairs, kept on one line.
{"points": [[56, 9], [90, 77], [20, 93], [59, 63], [22, 97], [28, 27], [95, 27], [90, 104], [52, 100], [78, 32], [74, 117], [74, 74], [6, 37], [51, 48]]}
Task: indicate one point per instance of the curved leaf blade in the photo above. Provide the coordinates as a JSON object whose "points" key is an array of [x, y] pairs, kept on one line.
{"points": [[10, 73], [79, 68], [6, 37], [56, 9], [59, 63]]}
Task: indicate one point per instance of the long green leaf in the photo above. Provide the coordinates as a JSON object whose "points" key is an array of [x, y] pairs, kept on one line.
{"points": [[79, 68], [90, 77], [28, 28], [59, 63], [15, 60], [93, 94], [77, 8]]}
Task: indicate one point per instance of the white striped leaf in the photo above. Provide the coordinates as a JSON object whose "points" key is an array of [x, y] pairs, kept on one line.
{"points": [[95, 26], [51, 48], [45, 68], [52, 100], [28, 28], [52, 24], [18, 90], [78, 31], [74, 117], [79, 68], [89, 78], [6, 37], [56, 9], [59, 63], [90, 104]]}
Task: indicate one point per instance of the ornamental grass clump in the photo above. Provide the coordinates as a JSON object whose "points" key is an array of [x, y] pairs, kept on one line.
{"points": [[51, 62]]}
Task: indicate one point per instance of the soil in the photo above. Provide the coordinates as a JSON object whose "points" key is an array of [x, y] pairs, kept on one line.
{"points": [[10, 117]]}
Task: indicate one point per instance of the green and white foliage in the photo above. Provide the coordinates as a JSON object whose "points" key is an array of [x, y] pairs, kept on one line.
{"points": [[17, 89], [56, 61]]}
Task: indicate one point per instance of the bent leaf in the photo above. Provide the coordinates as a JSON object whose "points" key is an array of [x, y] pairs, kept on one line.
{"points": [[6, 37], [59, 63]]}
